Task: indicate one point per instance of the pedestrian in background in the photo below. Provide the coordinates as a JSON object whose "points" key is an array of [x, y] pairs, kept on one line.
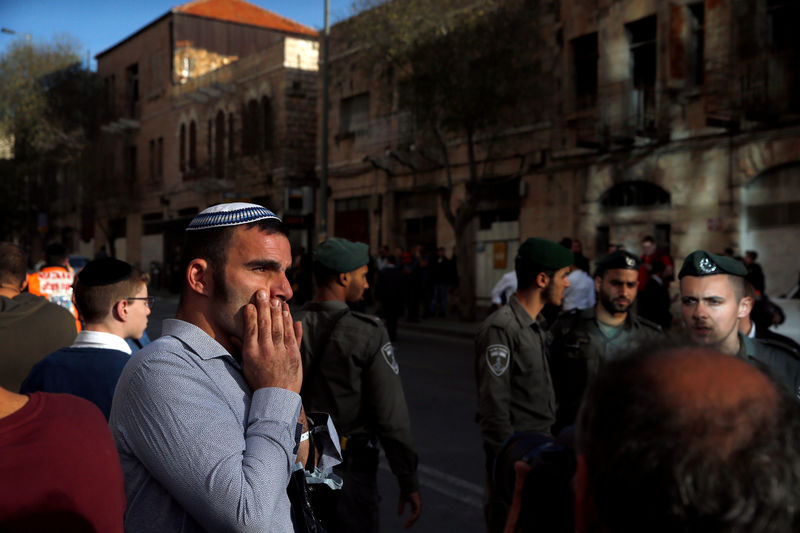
{"points": [[512, 370], [30, 326], [350, 371]]}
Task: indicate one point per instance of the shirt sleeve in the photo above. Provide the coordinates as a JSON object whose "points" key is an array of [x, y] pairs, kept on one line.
{"points": [[383, 389], [493, 371], [178, 423]]}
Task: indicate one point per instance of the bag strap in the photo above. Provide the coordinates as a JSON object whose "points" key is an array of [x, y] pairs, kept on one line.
{"points": [[318, 350]]}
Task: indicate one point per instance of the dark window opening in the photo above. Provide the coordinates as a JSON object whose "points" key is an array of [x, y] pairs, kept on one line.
{"points": [[354, 114], [209, 138], [642, 39], [251, 126], [110, 97], [151, 156], [602, 240], [130, 163], [231, 137], [192, 146], [182, 149], [132, 80], [487, 218], [266, 123], [585, 55], [697, 22], [783, 16], [634, 194], [160, 158], [219, 162]]}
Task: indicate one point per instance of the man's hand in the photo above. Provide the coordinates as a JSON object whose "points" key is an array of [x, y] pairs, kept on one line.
{"points": [[416, 507], [271, 345]]}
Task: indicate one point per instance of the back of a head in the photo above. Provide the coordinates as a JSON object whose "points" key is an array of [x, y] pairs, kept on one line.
{"points": [[12, 264], [104, 282], [55, 254], [687, 439]]}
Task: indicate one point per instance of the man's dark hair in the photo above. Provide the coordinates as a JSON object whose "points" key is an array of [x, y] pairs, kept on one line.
{"points": [[660, 467], [648, 238], [12, 264], [324, 276], [55, 254], [752, 254], [527, 271], [212, 245]]}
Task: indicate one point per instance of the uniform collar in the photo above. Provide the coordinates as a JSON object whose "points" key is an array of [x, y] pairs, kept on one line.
{"points": [[520, 313]]}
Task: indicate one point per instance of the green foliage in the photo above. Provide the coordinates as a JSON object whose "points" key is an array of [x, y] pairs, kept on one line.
{"points": [[45, 98]]}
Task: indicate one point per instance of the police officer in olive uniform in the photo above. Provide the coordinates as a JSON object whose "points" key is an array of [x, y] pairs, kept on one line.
{"points": [[349, 371], [713, 300], [515, 391], [582, 341]]}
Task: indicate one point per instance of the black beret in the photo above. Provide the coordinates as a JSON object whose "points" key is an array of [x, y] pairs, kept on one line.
{"points": [[545, 254], [702, 263], [104, 271], [341, 255], [621, 259]]}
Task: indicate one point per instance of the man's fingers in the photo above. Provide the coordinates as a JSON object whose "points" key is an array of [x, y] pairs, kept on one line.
{"points": [[289, 337], [298, 332], [264, 318], [276, 312], [250, 334]]}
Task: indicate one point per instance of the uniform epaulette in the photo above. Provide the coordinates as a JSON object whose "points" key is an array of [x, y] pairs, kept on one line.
{"points": [[371, 319], [501, 318], [649, 323]]}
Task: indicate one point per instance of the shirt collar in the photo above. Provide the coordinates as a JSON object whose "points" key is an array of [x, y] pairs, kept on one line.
{"points": [[101, 339], [196, 339]]}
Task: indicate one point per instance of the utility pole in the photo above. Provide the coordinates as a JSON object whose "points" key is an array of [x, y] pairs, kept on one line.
{"points": [[323, 186]]}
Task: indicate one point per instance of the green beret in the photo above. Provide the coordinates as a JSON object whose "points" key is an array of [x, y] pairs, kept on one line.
{"points": [[621, 259], [104, 271], [545, 254], [702, 263], [341, 255]]}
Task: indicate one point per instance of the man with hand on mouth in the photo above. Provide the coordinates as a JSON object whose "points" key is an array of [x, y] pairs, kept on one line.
{"points": [[585, 340], [207, 419], [713, 301]]}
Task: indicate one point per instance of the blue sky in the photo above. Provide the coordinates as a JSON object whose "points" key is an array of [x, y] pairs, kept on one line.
{"points": [[98, 25]]}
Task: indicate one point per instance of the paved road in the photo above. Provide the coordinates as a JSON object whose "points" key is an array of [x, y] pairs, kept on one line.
{"points": [[439, 385]]}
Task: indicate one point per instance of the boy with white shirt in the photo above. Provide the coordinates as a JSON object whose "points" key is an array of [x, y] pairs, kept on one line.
{"points": [[111, 296]]}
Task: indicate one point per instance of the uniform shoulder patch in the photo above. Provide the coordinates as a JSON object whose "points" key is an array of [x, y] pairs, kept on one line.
{"points": [[387, 350], [498, 356]]}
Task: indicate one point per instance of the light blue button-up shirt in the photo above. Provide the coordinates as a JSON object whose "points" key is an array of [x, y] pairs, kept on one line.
{"points": [[199, 450]]}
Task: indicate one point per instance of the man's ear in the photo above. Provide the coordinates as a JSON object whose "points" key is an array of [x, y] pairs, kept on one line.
{"points": [[343, 278], [24, 284], [542, 280], [120, 310], [198, 276], [745, 306], [598, 282]]}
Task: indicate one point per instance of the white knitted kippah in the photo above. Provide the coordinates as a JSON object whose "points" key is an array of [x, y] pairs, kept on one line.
{"points": [[231, 214]]}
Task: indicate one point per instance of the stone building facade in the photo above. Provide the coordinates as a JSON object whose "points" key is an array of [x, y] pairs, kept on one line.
{"points": [[677, 119], [214, 101]]}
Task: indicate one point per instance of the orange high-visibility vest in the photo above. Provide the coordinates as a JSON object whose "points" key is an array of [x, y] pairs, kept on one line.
{"points": [[55, 284]]}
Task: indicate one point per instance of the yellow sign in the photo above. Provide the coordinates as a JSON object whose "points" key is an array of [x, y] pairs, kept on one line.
{"points": [[500, 249]]}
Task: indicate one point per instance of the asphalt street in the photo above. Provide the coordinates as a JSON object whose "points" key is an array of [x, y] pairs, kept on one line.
{"points": [[440, 391]]}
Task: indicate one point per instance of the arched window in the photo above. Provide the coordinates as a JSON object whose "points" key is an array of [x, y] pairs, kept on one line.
{"points": [[219, 162], [192, 146], [634, 194], [266, 124], [209, 141], [251, 140], [182, 149]]}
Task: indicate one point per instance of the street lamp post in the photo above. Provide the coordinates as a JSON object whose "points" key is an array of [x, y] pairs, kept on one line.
{"points": [[28, 36]]}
